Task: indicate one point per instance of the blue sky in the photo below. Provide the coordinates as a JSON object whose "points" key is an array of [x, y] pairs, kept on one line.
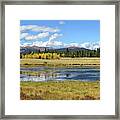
{"points": [[60, 33]]}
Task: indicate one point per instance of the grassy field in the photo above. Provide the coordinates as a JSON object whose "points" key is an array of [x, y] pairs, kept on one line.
{"points": [[61, 62], [60, 90]]}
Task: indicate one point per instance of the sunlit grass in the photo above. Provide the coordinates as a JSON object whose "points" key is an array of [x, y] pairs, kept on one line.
{"points": [[62, 62], [60, 90]]}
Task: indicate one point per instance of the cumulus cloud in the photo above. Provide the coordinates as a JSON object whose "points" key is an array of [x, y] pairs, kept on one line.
{"points": [[72, 45], [47, 44], [91, 46], [87, 45], [58, 44], [25, 44], [45, 29], [96, 45], [23, 35], [54, 43], [23, 28], [38, 36], [54, 36], [37, 28], [38, 43]]}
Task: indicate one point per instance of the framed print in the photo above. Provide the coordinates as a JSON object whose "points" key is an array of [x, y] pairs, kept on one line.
{"points": [[59, 59]]}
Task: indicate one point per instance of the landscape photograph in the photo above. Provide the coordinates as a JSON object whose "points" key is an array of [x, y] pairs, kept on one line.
{"points": [[59, 60]]}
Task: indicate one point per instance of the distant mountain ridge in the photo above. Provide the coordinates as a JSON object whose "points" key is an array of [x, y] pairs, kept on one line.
{"points": [[71, 49], [29, 49]]}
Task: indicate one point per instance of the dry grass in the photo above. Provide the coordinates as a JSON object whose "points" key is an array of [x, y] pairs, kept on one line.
{"points": [[62, 62], [60, 90]]}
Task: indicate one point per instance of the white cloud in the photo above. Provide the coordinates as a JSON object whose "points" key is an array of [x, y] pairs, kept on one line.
{"points": [[38, 43], [54, 43], [96, 45], [25, 44], [61, 22], [27, 27], [54, 36], [91, 46], [45, 29], [37, 28], [44, 32], [23, 35], [47, 44], [38, 36], [72, 45], [87, 45]]}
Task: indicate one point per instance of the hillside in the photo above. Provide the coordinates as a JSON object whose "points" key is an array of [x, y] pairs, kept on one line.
{"points": [[36, 49]]}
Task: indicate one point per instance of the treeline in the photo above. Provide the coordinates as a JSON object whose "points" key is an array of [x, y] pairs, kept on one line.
{"points": [[40, 56], [58, 54], [80, 53]]}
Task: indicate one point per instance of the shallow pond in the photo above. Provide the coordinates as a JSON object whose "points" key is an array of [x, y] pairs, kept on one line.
{"points": [[57, 73]]}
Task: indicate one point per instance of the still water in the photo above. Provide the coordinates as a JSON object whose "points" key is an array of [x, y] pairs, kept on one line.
{"points": [[56, 73]]}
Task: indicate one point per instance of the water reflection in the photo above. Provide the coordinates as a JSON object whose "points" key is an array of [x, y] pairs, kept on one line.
{"points": [[48, 73]]}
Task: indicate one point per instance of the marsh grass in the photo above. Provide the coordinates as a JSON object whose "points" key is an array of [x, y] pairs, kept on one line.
{"points": [[61, 62], [60, 90]]}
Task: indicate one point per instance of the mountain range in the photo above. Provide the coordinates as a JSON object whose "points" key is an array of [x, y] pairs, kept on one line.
{"points": [[29, 49]]}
